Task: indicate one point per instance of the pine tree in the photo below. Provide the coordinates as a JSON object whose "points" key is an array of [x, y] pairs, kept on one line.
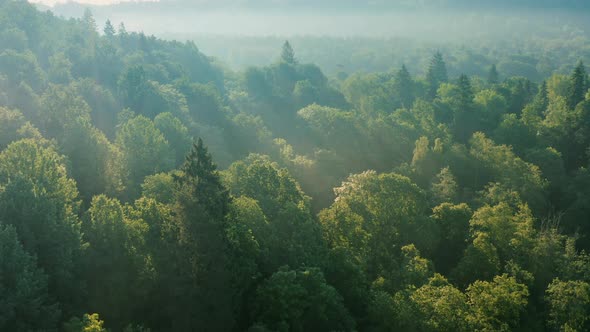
{"points": [[578, 87], [493, 76], [109, 30], [288, 55], [404, 86], [437, 74]]}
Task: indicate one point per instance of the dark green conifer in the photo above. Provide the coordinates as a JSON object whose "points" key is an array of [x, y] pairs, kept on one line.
{"points": [[436, 74], [578, 87]]}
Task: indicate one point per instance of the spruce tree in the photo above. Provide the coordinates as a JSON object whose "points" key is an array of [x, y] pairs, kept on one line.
{"points": [[109, 30], [89, 21], [493, 76], [122, 30], [288, 55], [404, 86], [466, 92], [200, 177], [436, 74], [465, 119], [578, 87], [201, 206]]}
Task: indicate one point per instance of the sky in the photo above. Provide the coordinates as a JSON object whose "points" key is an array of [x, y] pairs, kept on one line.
{"points": [[91, 2]]}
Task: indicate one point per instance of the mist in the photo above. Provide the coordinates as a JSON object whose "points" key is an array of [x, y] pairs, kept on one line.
{"points": [[368, 38], [429, 23], [294, 165]]}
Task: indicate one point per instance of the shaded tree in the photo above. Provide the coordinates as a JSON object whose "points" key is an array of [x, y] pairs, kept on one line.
{"points": [[202, 204], [404, 87], [300, 300], [493, 76], [25, 304], [578, 86]]}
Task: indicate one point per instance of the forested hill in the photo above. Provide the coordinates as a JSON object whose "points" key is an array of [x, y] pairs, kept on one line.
{"points": [[398, 4], [339, 5], [145, 187]]}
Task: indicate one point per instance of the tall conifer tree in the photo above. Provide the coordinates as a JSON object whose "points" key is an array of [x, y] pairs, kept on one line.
{"points": [[437, 74]]}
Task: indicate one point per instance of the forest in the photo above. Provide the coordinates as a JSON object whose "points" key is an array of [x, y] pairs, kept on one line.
{"points": [[146, 186]]}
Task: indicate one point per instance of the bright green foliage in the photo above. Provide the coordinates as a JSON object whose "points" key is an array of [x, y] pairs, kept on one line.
{"points": [[274, 188], [510, 231], [10, 123], [415, 270], [441, 306], [500, 163], [24, 301], [40, 201], [497, 305], [300, 300], [88, 323], [374, 216], [444, 188], [144, 151], [294, 235], [569, 304]]}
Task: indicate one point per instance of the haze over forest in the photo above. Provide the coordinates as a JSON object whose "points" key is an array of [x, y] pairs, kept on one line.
{"points": [[347, 36], [283, 165]]}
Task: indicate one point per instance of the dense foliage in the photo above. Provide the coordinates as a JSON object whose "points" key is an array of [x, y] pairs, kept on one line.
{"points": [[375, 202]]}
